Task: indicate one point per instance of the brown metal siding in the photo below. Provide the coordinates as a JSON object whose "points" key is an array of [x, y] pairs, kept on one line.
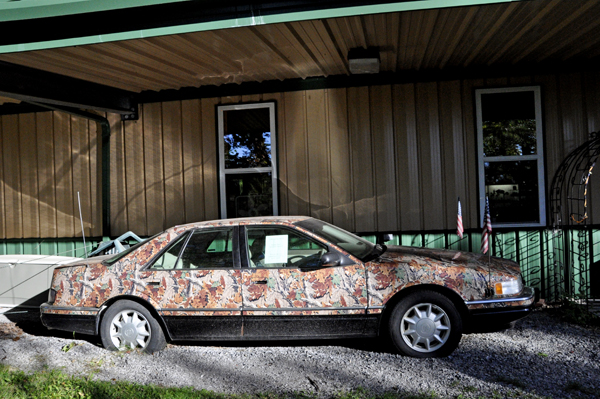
{"points": [[46, 158], [380, 158]]}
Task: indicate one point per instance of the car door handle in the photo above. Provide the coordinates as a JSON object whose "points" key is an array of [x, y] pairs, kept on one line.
{"points": [[153, 283], [259, 281]]}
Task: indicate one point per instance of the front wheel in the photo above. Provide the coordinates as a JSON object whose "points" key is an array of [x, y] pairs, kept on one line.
{"points": [[425, 324], [129, 325]]}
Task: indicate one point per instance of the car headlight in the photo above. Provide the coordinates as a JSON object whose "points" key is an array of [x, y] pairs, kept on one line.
{"points": [[511, 287]]}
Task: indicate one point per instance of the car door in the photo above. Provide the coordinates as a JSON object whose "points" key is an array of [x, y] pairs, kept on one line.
{"points": [[198, 282], [289, 293]]}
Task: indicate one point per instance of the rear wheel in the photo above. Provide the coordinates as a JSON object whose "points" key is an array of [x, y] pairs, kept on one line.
{"points": [[425, 324], [129, 325]]}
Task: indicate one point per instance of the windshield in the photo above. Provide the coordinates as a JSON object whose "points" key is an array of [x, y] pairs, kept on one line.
{"points": [[120, 255], [359, 247]]}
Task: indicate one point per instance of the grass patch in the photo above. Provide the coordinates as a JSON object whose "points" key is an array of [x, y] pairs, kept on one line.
{"points": [[54, 384], [16, 384]]}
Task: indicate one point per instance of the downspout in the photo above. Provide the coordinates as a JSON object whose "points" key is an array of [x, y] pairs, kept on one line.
{"points": [[105, 127]]}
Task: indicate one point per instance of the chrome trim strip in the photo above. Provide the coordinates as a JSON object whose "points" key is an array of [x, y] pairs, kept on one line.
{"points": [[70, 308], [528, 293], [258, 309], [301, 309], [199, 309]]}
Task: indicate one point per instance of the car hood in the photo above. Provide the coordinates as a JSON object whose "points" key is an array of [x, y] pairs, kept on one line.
{"points": [[443, 257]]}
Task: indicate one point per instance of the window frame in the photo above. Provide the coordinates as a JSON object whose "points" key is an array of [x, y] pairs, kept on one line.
{"points": [[538, 157], [246, 256], [235, 231], [270, 105]]}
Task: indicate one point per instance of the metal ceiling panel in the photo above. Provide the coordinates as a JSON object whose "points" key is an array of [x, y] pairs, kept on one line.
{"points": [[511, 34]]}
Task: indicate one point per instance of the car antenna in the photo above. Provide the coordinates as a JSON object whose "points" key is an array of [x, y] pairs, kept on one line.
{"points": [[81, 220]]}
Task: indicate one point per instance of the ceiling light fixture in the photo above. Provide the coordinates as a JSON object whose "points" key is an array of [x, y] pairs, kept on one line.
{"points": [[363, 61]]}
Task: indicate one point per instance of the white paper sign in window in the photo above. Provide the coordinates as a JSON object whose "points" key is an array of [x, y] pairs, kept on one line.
{"points": [[276, 249]]}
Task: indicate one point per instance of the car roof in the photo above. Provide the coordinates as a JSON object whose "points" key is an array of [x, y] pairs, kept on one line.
{"points": [[242, 221]]}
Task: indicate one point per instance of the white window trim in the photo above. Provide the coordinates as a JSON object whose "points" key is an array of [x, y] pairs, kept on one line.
{"points": [[539, 157], [223, 172]]}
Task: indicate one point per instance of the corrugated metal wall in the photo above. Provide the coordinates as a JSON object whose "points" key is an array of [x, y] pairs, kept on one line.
{"points": [[382, 158], [45, 159]]}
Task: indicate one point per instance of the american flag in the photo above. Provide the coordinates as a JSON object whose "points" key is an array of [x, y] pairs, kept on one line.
{"points": [[487, 228], [459, 225]]}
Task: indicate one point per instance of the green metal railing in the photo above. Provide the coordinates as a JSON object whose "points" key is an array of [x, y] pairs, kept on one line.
{"points": [[59, 247], [558, 263]]}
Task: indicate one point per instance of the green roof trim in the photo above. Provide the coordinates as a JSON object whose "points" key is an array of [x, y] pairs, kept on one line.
{"points": [[11, 10], [204, 26]]}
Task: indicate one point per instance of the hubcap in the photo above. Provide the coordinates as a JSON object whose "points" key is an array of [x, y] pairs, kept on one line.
{"points": [[129, 329], [425, 327]]}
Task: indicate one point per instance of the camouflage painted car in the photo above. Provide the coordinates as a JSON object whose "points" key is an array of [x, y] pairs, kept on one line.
{"points": [[282, 278]]}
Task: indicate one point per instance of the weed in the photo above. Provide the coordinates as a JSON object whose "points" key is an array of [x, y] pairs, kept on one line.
{"points": [[542, 354], [95, 365], [304, 395], [577, 314], [69, 346]]}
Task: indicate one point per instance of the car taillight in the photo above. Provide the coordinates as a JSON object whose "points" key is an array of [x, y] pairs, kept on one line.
{"points": [[51, 295]]}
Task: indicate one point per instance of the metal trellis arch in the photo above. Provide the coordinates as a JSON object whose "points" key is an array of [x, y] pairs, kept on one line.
{"points": [[570, 239]]}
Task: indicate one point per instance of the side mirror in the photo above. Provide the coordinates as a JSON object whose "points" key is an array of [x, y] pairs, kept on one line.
{"points": [[331, 259]]}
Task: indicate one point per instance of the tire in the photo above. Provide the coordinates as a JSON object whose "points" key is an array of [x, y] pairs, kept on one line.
{"points": [[129, 325], [436, 321]]}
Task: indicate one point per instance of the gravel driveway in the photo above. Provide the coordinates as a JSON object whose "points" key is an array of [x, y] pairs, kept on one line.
{"points": [[541, 356]]}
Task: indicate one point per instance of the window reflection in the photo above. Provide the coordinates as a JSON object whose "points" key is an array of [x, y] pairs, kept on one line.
{"points": [[247, 166], [249, 194], [509, 127], [512, 188], [247, 138], [511, 157]]}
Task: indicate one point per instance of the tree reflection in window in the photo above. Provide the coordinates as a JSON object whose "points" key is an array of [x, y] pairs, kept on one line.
{"points": [[247, 138], [511, 158], [509, 137]]}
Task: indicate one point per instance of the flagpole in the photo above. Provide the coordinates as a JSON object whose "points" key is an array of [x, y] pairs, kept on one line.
{"points": [[487, 241], [490, 262]]}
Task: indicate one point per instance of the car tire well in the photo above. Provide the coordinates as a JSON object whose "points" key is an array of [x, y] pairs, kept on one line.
{"points": [[458, 302], [129, 325], [145, 304], [425, 324]]}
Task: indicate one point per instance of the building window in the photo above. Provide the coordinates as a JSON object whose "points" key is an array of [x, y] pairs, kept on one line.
{"points": [[511, 159], [247, 160]]}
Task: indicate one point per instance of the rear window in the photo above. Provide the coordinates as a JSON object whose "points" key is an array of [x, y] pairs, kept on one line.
{"points": [[121, 255]]}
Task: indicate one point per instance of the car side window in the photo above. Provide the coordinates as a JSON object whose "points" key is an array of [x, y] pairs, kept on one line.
{"points": [[205, 249], [279, 247], [169, 258]]}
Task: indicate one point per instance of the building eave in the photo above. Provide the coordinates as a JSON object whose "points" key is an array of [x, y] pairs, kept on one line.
{"points": [[101, 21]]}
